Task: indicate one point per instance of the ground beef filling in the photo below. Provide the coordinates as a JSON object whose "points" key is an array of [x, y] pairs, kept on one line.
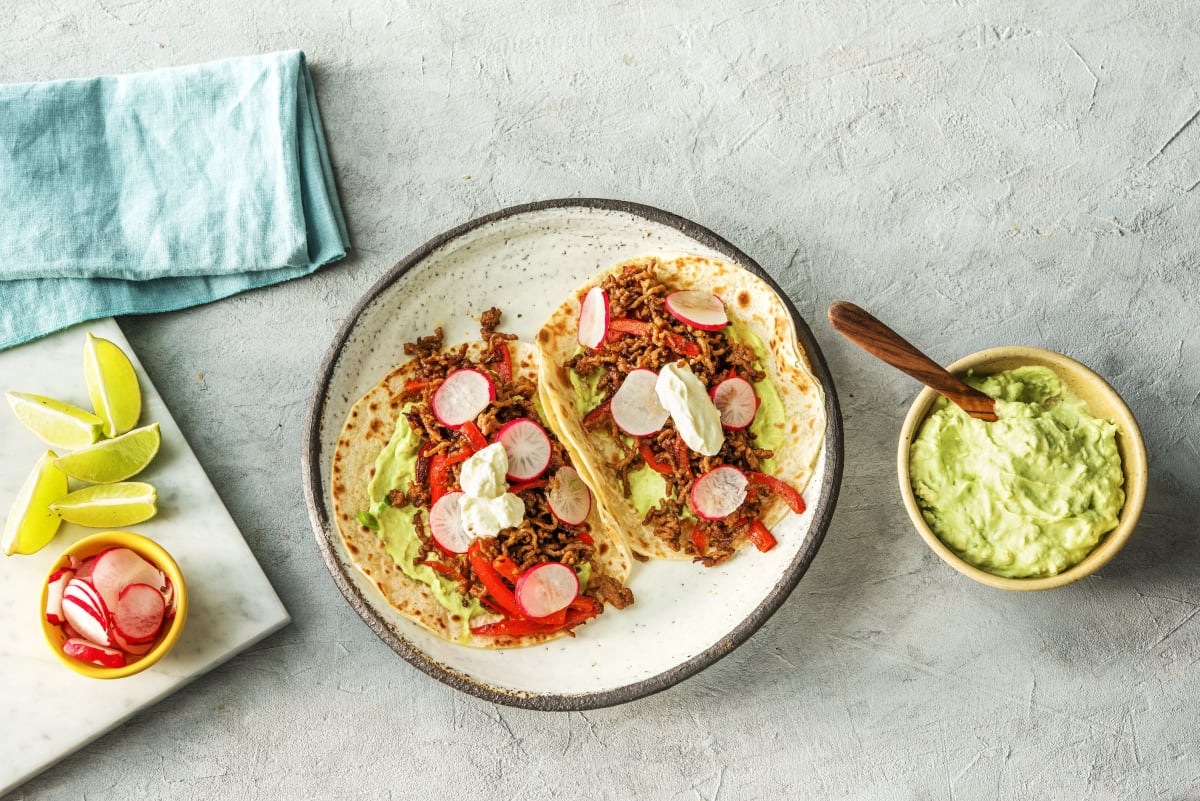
{"points": [[636, 293], [540, 537]]}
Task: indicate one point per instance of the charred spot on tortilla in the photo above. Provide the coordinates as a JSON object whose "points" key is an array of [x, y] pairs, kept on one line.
{"points": [[743, 298]]}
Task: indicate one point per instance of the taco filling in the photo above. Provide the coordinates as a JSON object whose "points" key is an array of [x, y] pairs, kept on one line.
{"points": [[475, 497], [664, 374]]}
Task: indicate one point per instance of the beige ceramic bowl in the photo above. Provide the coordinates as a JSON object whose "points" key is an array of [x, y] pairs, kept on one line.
{"points": [[1102, 400]]}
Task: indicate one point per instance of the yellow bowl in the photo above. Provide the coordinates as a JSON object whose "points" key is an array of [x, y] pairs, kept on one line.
{"points": [[1102, 400], [153, 553]]}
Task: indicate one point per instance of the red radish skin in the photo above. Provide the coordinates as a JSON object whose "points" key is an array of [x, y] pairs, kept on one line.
{"points": [[84, 620], [737, 402], [54, 594], [133, 649], [96, 654], [117, 568], [138, 615], [527, 447], [719, 493], [635, 407], [545, 589], [593, 318], [570, 501], [445, 524], [462, 396], [82, 591], [697, 308]]}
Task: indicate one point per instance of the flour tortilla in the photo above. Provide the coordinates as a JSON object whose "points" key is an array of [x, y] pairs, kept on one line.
{"points": [[750, 302], [368, 428]]}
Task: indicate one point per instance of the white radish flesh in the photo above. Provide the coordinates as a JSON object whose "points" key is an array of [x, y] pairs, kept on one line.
{"points": [[697, 308], [545, 589], [593, 318], [570, 500], [133, 649], [93, 653], [138, 615], [463, 395], [54, 594], [736, 401], [527, 447], [445, 524], [635, 406], [117, 568], [719, 492]]}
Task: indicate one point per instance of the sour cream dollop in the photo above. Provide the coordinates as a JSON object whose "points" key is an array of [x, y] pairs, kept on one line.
{"points": [[486, 506], [696, 417]]}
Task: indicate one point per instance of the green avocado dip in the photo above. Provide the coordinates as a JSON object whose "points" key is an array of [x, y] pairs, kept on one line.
{"points": [[1028, 495], [396, 466], [646, 486]]}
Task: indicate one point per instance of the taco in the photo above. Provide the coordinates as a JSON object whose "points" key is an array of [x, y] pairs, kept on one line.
{"points": [[680, 389], [459, 503]]}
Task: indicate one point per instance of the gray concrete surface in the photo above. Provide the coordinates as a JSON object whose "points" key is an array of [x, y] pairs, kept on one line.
{"points": [[977, 173]]}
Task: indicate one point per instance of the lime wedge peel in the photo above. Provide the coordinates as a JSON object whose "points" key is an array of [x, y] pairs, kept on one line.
{"points": [[112, 385], [109, 505], [31, 524], [113, 459], [58, 424]]}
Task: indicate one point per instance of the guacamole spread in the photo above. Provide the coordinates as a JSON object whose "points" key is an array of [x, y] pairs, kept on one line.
{"points": [[1028, 495]]}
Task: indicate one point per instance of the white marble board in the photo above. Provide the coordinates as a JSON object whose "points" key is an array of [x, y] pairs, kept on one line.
{"points": [[50, 711]]}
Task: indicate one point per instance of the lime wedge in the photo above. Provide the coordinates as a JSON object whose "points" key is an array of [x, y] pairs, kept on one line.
{"points": [[58, 424], [113, 459], [112, 385], [31, 524], [109, 505]]}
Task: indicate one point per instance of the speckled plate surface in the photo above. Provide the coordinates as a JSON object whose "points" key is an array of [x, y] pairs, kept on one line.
{"points": [[525, 260]]}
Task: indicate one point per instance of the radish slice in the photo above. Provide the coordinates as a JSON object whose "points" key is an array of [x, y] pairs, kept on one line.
{"points": [[735, 400], [698, 309], [635, 406], [84, 570], [719, 492], [168, 595], [96, 654], [86, 621], [593, 318], [54, 594], [464, 394], [545, 589], [527, 447], [118, 567], [570, 500], [138, 615], [445, 524], [133, 649]]}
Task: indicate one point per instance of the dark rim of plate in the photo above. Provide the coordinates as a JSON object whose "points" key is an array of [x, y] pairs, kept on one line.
{"points": [[323, 528]]}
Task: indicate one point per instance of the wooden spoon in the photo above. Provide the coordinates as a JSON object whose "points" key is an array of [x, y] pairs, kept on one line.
{"points": [[882, 342]]}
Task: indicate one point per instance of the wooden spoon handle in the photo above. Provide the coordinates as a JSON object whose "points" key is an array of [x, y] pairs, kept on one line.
{"points": [[882, 342]]}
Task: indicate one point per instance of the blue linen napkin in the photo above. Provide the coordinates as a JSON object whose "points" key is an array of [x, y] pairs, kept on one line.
{"points": [[160, 190]]}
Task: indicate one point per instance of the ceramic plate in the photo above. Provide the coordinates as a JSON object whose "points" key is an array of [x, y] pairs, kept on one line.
{"points": [[526, 260]]}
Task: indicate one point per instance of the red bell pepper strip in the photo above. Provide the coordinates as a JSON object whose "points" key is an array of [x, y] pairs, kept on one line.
{"points": [[475, 437], [416, 385], [506, 567], [517, 489], [763, 539], [585, 537], [784, 490], [581, 609], [596, 416], [443, 568], [492, 581], [555, 619], [682, 345], [439, 477], [699, 539], [627, 325], [681, 456], [505, 368], [651, 462]]}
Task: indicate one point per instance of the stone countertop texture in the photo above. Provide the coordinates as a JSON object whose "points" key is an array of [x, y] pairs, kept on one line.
{"points": [[975, 173]]}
